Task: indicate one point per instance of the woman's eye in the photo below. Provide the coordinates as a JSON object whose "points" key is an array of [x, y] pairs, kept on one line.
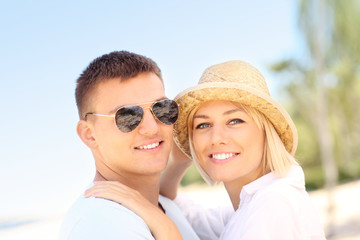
{"points": [[202, 125], [236, 121]]}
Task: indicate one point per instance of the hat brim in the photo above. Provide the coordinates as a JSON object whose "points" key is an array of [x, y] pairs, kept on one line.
{"points": [[235, 92]]}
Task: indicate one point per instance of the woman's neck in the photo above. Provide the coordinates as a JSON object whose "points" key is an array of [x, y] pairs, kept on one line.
{"points": [[235, 186], [233, 191]]}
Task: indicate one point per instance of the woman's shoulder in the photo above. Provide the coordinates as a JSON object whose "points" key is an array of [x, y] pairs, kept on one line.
{"points": [[282, 192]]}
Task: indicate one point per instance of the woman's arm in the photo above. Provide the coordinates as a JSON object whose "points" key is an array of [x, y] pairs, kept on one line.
{"points": [[174, 172], [160, 225]]}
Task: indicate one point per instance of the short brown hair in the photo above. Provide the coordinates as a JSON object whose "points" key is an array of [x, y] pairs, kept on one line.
{"points": [[117, 64]]}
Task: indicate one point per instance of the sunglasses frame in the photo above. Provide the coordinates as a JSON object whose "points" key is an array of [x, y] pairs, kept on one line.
{"points": [[138, 105]]}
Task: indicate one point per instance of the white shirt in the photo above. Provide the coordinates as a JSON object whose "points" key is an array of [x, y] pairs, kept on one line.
{"points": [[270, 208], [97, 218]]}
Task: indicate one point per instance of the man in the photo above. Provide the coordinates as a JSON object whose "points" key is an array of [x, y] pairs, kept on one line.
{"points": [[126, 120]]}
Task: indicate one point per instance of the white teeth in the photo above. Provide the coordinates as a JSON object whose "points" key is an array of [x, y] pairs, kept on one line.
{"points": [[150, 146], [222, 156]]}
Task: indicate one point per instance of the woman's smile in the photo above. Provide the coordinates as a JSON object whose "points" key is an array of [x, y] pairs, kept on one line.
{"points": [[222, 158]]}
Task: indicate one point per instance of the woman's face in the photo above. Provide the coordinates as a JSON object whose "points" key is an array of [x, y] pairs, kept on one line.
{"points": [[228, 143]]}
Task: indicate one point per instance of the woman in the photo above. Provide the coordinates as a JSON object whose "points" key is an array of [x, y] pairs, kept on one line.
{"points": [[237, 134]]}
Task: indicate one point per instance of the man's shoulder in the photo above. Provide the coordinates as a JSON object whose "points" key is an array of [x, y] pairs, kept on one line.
{"points": [[97, 218], [170, 207], [174, 213]]}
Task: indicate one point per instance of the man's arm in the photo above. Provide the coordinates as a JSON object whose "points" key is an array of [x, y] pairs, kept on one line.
{"points": [[160, 225], [174, 172]]}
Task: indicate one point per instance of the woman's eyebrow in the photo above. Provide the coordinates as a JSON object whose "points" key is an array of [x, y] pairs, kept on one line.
{"points": [[201, 116], [232, 111], [224, 113]]}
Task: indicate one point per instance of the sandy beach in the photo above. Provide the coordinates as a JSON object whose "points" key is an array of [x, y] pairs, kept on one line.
{"points": [[346, 214]]}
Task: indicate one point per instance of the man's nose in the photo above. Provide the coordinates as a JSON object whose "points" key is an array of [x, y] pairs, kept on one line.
{"points": [[149, 125]]}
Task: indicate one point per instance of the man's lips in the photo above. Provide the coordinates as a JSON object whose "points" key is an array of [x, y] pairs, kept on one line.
{"points": [[149, 146]]}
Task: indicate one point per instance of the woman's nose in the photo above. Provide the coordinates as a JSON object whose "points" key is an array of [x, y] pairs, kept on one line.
{"points": [[219, 136]]}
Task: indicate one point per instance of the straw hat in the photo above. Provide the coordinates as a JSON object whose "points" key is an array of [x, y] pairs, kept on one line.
{"points": [[235, 81]]}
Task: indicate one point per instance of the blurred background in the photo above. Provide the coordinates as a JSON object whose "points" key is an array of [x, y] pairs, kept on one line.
{"points": [[309, 52]]}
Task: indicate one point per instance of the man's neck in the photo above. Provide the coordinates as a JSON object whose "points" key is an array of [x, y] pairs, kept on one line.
{"points": [[147, 185]]}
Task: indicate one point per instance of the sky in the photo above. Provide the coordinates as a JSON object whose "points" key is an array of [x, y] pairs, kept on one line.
{"points": [[45, 45]]}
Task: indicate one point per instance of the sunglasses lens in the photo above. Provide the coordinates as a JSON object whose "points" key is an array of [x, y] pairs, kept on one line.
{"points": [[166, 111], [128, 118]]}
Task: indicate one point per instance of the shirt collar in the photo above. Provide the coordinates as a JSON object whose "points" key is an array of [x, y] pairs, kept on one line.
{"points": [[295, 177]]}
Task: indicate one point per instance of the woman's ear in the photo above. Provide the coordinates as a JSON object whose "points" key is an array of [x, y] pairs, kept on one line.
{"points": [[85, 133]]}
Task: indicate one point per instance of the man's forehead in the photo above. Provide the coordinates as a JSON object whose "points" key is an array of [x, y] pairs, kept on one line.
{"points": [[142, 104], [112, 94]]}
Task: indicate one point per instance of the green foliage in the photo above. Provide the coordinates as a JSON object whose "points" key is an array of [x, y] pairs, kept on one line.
{"points": [[341, 45], [307, 152], [191, 176], [314, 177]]}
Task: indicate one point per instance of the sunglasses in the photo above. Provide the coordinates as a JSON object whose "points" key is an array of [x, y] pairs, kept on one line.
{"points": [[129, 117]]}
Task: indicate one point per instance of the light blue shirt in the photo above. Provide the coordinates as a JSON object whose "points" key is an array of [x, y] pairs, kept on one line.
{"points": [[98, 218]]}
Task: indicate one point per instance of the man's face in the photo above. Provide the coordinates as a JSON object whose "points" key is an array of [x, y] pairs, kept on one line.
{"points": [[124, 153]]}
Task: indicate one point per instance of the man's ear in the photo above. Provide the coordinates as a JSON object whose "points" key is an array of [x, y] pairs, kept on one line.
{"points": [[85, 133]]}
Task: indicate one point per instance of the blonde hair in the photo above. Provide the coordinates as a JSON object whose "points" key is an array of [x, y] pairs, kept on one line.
{"points": [[275, 158]]}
